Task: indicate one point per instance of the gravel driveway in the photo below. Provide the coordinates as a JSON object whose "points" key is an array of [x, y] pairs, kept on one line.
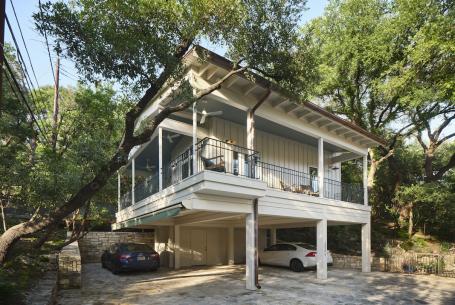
{"points": [[225, 285]]}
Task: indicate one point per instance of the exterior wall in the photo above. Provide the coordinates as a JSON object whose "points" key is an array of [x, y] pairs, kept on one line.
{"points": [[274, 149], [69, 267], [93, 244]]}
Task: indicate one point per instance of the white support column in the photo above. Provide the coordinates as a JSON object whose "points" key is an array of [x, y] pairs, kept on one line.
{"points": [[249, 240], [194, 139], [321, 167], [365, 180], [321, 249], [160, 158], [231, 246], [366, 247], [177, 247], [273, 236], [133, 179], [119, 193]]}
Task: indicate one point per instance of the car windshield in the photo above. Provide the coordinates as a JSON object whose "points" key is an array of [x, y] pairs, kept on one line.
{"points": [[307, 246], [136, 248]]}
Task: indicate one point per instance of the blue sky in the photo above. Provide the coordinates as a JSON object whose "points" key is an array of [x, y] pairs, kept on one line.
{"points": [[37, 47]]}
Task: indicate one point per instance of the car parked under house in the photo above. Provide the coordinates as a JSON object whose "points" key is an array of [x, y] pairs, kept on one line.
{"points": [[216, 180]]}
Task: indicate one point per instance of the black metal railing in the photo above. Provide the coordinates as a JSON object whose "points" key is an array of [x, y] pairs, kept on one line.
{"points": [[225, 157], [179, 168], [349, 192], [287, 179]]}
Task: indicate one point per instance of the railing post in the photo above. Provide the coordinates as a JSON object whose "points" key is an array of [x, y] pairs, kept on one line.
{"points": [[194, 139], [160, 158], [365, 179], [133, 179], [321, 167]]}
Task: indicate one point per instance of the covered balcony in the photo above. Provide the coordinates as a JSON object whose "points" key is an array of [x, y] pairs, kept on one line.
{"points": [[142, 177]]}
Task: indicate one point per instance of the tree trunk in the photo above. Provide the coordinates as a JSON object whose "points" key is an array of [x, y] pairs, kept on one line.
{"points": [[372, 170], [411, 220], [3, 217]]}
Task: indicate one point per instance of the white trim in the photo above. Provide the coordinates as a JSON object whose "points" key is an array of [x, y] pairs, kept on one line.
{"points": [[321, 169]]}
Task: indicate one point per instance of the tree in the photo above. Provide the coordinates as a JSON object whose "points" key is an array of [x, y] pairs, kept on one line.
{"points": [[383, 63], [141, 44]]}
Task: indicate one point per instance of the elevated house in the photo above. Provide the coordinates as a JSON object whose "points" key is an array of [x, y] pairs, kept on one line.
{"points": [[217, 180]]}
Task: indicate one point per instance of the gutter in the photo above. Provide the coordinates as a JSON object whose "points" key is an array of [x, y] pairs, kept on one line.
{"points": [[255, 201]]}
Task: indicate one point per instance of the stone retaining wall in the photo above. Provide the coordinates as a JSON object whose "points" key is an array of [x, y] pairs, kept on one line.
{"points": [[69, 267], [93, 244], [355, 262]]}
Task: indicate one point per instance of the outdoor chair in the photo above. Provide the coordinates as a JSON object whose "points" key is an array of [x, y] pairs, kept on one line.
{"points": [[215, 164]]}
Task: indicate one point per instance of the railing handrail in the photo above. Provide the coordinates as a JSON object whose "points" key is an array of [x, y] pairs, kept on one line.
{"points": [[253, 152], [282, 167]]}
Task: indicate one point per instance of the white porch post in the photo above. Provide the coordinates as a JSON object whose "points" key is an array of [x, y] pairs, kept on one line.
{"points": [[231, 246], [365, 179], [119, 194], [160, 158], [133, 179], [321, 249], [273, 236], [194, 139], [250, 261], [366, 247], [321, 167], [177, 247]]}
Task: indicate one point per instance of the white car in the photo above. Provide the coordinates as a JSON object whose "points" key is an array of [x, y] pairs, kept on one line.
{"points": [[296, 256]]}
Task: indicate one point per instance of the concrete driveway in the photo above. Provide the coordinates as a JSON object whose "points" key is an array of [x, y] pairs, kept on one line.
{"points": [[225, 285]]}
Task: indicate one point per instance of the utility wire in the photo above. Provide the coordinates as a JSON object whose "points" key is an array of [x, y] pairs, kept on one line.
{"points": [[47, 44], [23, 97], [25, 45], [28, 82]]}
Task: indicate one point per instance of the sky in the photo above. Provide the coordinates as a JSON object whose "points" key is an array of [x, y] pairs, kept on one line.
{"points": [[38, 50]]}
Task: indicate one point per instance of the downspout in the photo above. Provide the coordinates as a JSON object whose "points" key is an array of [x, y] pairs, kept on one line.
{"points": [[251, 146]]}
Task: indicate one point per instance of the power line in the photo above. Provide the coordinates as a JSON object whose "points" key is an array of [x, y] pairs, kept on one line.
{"points": [[47, 43], [25, 45], [23, 97], [28, 81]]}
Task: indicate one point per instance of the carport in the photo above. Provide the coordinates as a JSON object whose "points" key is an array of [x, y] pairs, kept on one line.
{"points": [[194, 237]]}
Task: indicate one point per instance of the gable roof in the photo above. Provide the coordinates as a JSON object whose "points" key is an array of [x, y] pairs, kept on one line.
{"points": [[226, 64]]}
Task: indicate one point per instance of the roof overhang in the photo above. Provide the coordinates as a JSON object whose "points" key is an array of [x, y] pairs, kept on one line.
{"points": [[212, 67]]}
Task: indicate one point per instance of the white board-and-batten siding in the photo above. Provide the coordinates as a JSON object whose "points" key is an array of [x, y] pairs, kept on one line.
{"points": [[275, 149]]}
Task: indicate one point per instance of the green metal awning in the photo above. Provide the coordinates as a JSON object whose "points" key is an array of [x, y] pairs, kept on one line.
{"points": [[148, 218]]}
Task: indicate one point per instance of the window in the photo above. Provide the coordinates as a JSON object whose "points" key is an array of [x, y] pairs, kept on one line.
{"points": [[271, 248], [314, 179], [286, 247]]}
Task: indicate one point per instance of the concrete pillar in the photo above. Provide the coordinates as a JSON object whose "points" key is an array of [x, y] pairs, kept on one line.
{"points": [[250, 261], [177, 247], [321, 249], [321, 167], [160, 158], [366, 247], [273, 236], [365, 180], [231, 246]]}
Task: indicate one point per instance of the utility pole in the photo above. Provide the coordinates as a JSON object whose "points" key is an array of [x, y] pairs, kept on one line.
{"points": [[56, 104], [2, 53]]}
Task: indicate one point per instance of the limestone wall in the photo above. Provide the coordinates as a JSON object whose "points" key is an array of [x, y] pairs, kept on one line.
{"points": [[93, 244], [69, 267]]}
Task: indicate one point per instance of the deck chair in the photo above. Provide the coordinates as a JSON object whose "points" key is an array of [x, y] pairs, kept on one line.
{"points": [[215, 164], [285, 187]]}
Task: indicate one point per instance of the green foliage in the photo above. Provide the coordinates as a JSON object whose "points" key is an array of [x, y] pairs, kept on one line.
{"points": [[132, 41]]}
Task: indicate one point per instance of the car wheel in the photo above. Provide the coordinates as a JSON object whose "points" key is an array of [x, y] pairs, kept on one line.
{"points": [[296, 265], [115, 269]]}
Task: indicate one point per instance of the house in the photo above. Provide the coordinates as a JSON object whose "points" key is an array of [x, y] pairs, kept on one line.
{"points": [[216, 181]]}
